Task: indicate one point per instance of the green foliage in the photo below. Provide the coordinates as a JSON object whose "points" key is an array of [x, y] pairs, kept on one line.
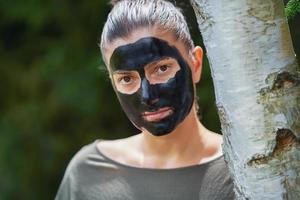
{"points": [[54, 99], [292, 8]]}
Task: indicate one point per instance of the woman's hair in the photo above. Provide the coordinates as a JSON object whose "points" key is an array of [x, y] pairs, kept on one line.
{"points": [[130, 15]]}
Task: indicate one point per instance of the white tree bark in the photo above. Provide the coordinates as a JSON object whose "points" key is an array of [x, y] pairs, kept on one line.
{"points": [[257, 87]]}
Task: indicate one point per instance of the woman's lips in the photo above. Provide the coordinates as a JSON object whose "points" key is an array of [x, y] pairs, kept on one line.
{"points": [[157, 115]]}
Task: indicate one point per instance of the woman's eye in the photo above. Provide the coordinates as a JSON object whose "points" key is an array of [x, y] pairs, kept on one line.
{"points": [[162, 69], [125, 80]]}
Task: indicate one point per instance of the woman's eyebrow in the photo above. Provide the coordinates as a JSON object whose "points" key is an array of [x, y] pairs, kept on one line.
{"points": [[123, 71], [163, 59]]}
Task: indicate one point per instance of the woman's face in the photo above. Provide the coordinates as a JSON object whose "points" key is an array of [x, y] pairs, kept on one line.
{"points": [[153, 79]]}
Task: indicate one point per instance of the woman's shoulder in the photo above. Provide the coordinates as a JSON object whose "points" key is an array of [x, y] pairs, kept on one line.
{"points": [[97, 155], [70, 182], [87, 169], [81, 157]]}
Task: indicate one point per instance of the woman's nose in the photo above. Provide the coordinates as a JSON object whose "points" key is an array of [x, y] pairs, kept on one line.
{"points": [[149, 93]]}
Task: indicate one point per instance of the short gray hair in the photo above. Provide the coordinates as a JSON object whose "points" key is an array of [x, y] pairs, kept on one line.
{"points": [[129, 15]]}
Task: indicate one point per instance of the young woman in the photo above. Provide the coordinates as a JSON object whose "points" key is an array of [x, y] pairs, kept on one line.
{"points": [[153, 66]]}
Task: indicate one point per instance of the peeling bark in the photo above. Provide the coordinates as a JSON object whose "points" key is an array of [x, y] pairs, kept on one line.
{"points": [[285, 141], [257, 87]]}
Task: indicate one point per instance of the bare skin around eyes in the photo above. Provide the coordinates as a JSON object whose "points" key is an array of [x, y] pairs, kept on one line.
{"points": [[128, 82]]}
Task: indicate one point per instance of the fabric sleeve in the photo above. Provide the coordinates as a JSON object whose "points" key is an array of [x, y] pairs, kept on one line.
{"points": [[69, 186], [64, 191], [66, 188]]}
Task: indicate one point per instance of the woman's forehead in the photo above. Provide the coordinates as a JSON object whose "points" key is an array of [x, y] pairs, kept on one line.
{"points": [[142, 52], [144, 33]]}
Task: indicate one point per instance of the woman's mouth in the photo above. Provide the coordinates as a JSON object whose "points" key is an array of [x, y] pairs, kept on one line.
{"points": [[157, 115]]}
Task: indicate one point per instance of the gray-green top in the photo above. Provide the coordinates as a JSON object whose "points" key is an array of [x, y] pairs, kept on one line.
{"points": [[92, 176]]}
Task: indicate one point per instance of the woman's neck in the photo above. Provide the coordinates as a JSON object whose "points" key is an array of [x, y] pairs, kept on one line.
{"points": [[184, 145]]}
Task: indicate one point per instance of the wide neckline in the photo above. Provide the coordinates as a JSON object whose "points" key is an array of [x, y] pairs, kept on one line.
{"points": [[131, 167]]}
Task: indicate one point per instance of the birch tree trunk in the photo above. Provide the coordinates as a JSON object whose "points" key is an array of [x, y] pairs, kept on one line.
{"points": [[257, 87]]}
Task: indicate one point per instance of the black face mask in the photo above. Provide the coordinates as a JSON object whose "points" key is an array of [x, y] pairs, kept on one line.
{"points": [[177, 92]]}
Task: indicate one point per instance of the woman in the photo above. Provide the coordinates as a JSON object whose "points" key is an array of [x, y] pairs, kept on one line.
{"points": [[153, 66]]}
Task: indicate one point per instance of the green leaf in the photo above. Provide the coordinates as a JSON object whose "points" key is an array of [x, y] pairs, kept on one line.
{"points": [[292, 8]]}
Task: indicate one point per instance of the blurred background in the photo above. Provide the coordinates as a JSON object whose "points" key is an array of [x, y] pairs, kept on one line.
{"points": [[55, 93]]}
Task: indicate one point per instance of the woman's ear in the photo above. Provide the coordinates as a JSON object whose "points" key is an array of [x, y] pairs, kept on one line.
{"points": [[197, 62]]}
